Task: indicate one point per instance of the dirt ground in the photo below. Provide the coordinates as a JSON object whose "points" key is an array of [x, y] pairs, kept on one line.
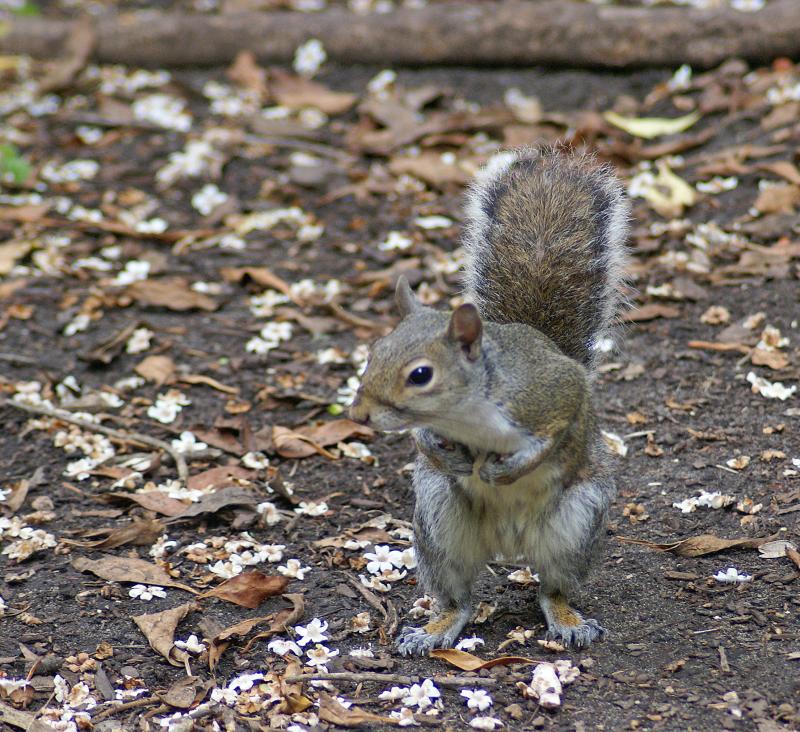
{"points": [[684, 651]]}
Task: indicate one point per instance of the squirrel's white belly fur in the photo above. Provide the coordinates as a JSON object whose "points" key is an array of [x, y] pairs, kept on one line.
{"points": [[511, 521]]}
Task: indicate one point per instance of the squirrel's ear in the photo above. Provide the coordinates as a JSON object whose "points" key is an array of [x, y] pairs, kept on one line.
{"points": [[466, 328], [404, 297]]}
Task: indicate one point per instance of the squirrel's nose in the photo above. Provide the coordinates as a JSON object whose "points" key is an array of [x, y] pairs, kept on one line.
{"points": [[359, 411]]}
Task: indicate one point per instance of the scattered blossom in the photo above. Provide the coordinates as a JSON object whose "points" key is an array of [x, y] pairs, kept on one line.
{"points": [[309, 57], [187, 444], [421, 695], [139, 341], [314, 632], [255, 461], [192, 644], [147, 592], [282, 646], [469, 644], [395, 240], [208, 198], [477, 699], [319, 656], [732, 575], [294, 569], [311, 508], [487, 723]]}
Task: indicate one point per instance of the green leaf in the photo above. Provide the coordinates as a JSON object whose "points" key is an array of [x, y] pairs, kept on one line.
{"points": [[13, 164]]}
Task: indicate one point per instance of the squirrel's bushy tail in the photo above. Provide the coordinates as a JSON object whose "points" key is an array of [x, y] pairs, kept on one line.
{"points": [[545, 242]]}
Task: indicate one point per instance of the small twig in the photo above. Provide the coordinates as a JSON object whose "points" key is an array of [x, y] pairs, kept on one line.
{"points": [[360, 677], [17, 358], [110, 711], [130, 438]]}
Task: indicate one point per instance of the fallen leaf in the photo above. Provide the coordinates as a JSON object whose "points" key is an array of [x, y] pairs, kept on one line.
{"points": [[297, 92], [220, 477], [278, 623], [18, 492], [784, 169], [140, 532], [219, 499], [249, 589], [430, 168], [182, 693], [332, 711], [159, 629], [782, 198], [775, 549], [208, 381], [772, 359], [650, 127], [651, 311], [172, 293], [11, 252], [260, 275], [668, 194], [698, 546], [246, 73], [128, 569], [308, 440], [158, 369], [107, 351], [157, 501], [468, 662]]}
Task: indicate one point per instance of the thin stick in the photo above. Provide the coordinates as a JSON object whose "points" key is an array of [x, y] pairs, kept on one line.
{"points": [[129, 437], [455, 681], [110, 711]]}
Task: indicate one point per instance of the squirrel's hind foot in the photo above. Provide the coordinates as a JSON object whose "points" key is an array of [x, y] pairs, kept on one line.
{"points": [[567, 626], [576, 636], [439, 633]]}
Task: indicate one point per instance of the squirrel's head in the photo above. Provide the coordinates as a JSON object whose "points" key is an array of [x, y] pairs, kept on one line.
{"points": [[427, 367]]}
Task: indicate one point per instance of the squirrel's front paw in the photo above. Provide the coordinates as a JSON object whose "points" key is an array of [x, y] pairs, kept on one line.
{"points": [[452, 458], [498, 470]]}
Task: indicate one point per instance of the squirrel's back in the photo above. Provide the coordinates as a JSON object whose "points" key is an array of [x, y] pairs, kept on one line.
{"points": [[545, 244]]}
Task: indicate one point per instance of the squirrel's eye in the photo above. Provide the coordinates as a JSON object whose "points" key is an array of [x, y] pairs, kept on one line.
{"points": [[420, 375]]}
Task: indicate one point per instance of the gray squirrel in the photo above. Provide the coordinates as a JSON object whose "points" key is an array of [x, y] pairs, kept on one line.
{"points": [[498, 394]]}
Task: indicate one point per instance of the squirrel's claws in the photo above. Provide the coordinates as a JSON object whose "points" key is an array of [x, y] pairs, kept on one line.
{"points": [[496, 470], [577, 636]]}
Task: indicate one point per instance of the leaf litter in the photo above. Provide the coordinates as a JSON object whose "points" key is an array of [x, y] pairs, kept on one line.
{"points": [[258, 314]]}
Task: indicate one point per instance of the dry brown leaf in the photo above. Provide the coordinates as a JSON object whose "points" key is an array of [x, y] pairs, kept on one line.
{"points": [[249, 589], [107, 351], [157, 501], [468, 662], [208, 381], [784, 169], [159, 629], [19, 491], [158, 369], [172, 293], [698, 546], [219, 477], [128, 569], [296, 92], [311, 439], [430, 168], [651, 311], [182, 693], [219, 499], [772, 359], [292, 700], [367, 533], [781, 198], [260, 275], [278, 623], [332, 711], [140, 532], [246, 73], [11, 252]]}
